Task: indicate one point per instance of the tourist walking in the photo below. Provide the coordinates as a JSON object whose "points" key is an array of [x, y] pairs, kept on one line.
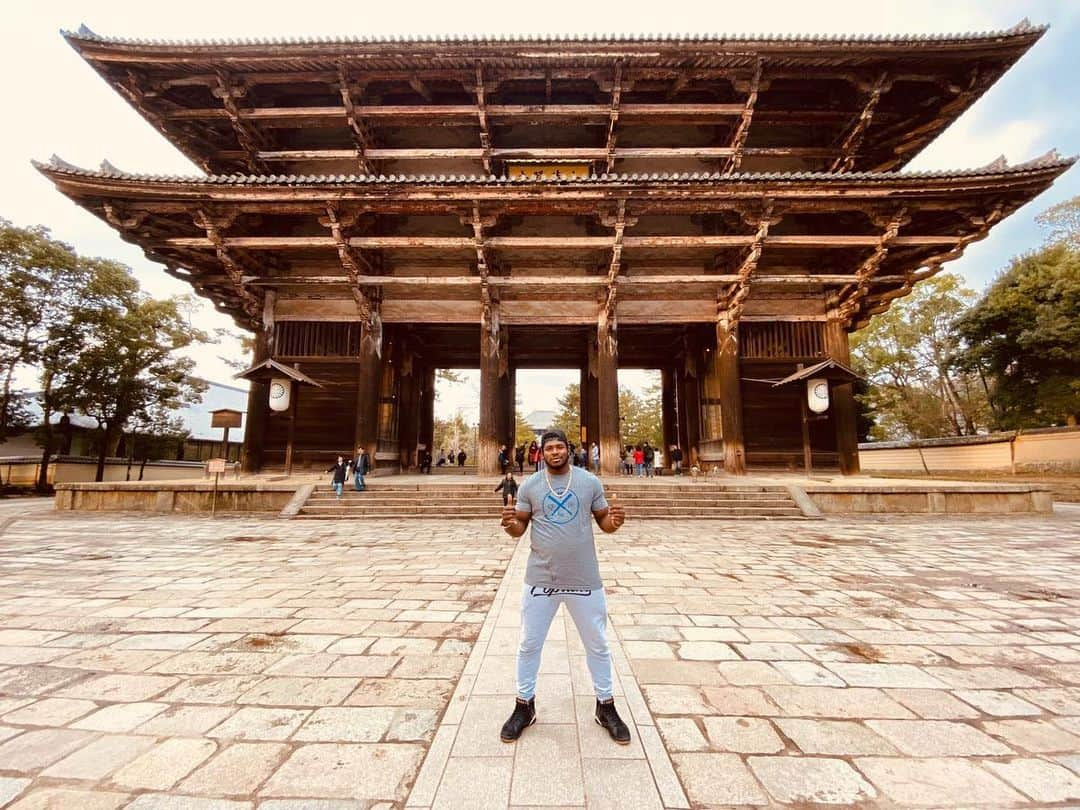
{"points": [[561, 505], [340, 472], [594, 458], [509, 488], [361, 466], [534, 456], [461, 458], [639, 461], [676, 459], [648, 455], [425, 462], [519, 459], [504, 460]]}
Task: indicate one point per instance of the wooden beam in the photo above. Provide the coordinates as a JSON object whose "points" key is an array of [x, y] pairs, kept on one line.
{"points": [[732, 303], [743, 129], [529, 153], [467, 111], [357, 128], [849, 146], [556, 242], [656, 280]]}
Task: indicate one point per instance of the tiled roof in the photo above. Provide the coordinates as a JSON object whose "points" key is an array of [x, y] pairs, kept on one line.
{"points": [[1023, 28], [56, 165]]}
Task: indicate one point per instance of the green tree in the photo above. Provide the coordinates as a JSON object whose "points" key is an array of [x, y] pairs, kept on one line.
{"points": [[1023, 337], [919, 387], [36, 273], [523, 432], [640, 415], [568, 416], [1063, 220], [454, 434], [126, 366]]}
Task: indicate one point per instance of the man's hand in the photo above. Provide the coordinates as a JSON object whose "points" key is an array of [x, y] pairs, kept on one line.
{"points": [[616, 513], [511, 523]]}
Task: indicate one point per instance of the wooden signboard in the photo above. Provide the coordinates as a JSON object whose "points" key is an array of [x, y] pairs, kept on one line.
{"points": [[225, 418], [216, 465]]}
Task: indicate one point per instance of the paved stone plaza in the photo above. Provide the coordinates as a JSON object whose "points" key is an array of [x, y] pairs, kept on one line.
{"points": [[197, 664]]}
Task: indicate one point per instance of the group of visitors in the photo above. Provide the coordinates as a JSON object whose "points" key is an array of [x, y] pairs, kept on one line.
{"points": [[355, 468], [448, 459]]}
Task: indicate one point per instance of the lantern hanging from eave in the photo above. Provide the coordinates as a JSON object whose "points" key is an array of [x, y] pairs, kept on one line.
{"points": [[280, 393], [817, 394]]}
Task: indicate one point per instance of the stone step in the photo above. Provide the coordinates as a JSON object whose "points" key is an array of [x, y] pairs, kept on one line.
{"points": [[342, 511]]}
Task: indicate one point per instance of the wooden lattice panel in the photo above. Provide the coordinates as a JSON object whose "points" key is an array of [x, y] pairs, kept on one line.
{"points": [[782, 339], [316, 339]]}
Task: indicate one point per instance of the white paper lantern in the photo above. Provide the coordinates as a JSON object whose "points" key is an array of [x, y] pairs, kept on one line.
{"points": [[280, 393], [817, 394]]}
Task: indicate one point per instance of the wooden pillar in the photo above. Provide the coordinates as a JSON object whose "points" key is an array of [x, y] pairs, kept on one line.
{"points": [[369, 382], [258, 406], [504, 429], [842, 400], [589, 414], [689, 406], [427, 409], [607, 383], [408, 414], [493, 367], [730, 389], [669, 417]]}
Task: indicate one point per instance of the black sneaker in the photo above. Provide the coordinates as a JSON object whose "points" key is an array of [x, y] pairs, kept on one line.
{"points": [[608, 718], [524, 716]]}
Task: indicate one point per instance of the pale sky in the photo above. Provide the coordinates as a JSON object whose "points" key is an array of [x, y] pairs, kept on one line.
{"points": [[57, 104]]}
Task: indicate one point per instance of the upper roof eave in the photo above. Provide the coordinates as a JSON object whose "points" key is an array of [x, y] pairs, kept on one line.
{"points": [[1022, 30], [1051, 162]]}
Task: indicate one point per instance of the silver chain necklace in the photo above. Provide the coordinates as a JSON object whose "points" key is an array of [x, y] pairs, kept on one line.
{"points": [[551, 489]]}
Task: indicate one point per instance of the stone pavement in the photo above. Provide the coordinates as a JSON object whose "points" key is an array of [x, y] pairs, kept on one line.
{"points": [[192, 664]]}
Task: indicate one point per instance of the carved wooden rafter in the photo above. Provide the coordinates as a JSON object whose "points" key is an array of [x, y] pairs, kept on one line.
{"points": [[853, 139], [606, 324], [731, 303], [228, 90], [361, 135], [743, 128], [133, 92], [930, 266], [866, 271], [613, 116], [489, 302], [213, 225], [481, 113], [355, 265]]}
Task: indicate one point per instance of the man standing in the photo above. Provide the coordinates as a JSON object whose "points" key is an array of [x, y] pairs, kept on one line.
{"points": [[361, 467], [561, 502]]}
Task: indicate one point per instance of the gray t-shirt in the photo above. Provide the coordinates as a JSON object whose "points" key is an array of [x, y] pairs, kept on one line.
{"points": [[563, 553]]}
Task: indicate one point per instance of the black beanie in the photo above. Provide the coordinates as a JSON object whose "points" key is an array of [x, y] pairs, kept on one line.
{"points": [[552, 435]]}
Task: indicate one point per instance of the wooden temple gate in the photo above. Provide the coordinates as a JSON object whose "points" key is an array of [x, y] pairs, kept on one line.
{"points": [[722, 209]]}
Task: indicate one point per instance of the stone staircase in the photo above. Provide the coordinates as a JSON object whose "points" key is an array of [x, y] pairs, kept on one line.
{"points": [[652, 500]]}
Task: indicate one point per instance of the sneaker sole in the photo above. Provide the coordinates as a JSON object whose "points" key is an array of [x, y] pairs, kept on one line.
{"points": [[620, 742], [515, 739]]}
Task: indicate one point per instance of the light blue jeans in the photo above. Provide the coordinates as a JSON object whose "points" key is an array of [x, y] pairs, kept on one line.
{"points": [[588, 609]]}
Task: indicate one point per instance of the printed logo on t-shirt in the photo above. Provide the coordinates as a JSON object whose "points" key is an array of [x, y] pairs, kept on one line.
{"points": [[560, 509]]}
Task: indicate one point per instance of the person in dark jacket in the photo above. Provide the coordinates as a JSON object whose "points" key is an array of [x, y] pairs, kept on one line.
{"points": [[341, 472], [461, 458], [649, 456], [425, 461], [676, 459], [504, 460], [519, 459], [509, 489], [361, 466]]}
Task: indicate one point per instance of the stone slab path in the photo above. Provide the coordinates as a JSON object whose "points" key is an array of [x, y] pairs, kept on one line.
{"points": [[184, 663], [565, 759]]}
